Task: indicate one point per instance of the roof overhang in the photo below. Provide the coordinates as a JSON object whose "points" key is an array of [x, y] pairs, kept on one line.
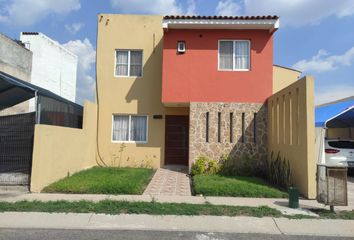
{"points": [[257, 24], [14, 91], [338, 114], [344, 119]]}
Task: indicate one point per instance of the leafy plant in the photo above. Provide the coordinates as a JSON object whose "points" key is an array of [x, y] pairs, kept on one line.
{"points": [[204, 165], [239, 166], [279, 172]]}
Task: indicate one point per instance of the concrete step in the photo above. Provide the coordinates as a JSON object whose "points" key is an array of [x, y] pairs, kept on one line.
{"points": [[12, 191]]}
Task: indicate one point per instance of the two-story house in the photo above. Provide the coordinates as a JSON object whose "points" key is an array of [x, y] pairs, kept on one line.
{"points": [[170, 89]]}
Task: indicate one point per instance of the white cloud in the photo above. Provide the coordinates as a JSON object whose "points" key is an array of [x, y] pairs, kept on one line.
{"points": [[323, 62], [87, 58], [191, 7], [300, 12], [334, 93], [74, 27], [228, 8], [28, 12], [148, 6]]}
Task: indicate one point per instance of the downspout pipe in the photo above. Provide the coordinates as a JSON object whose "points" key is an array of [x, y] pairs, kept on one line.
{"points": [[37, 108]]}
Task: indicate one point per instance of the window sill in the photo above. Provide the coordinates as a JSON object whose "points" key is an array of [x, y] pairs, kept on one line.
{"points": [[130, 142], [234, 70], [119, 76]]}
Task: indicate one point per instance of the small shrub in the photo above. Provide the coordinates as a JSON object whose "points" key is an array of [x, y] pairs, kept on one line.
{"points": [[204, 165], [199, 166], [213, 167]]}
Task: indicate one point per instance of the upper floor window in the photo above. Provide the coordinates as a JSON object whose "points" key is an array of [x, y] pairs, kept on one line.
{"points": [[129, 63], [234, 55]]}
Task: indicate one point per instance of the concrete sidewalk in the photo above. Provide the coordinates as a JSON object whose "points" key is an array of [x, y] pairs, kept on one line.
{"points": [[277, 203], [343, 228]]}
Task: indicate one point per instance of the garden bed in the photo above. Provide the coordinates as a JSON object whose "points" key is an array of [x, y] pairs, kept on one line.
{"points": [[152, 208], [104, 180]]}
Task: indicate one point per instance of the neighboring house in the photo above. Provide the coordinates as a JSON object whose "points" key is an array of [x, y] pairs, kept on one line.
{"points": [[41, 61], [54, 67], [15, 60], [37, 77], [174, 88]]}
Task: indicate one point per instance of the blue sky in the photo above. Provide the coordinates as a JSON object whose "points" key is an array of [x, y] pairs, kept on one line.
{"points": [[316, 36]]}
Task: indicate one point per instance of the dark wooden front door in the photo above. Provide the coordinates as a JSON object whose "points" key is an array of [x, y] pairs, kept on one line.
{"points": [[177, 140]]}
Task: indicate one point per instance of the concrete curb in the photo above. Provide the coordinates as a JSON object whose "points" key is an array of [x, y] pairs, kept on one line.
{"points": [[267, 225]]}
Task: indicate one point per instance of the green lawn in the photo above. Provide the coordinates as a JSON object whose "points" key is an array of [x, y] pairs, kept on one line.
{"points": [[155, 208], [104, 180], [152, 208], [216, 185]]}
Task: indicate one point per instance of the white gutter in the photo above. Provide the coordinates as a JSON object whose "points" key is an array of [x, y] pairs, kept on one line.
{"points": [[268, 24]]}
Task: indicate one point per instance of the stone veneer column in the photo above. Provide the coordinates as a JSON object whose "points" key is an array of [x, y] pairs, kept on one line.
{"points": [[214, 149]]}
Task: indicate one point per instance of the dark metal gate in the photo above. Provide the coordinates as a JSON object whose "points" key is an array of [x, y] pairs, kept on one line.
{"points": [[16, 147]]}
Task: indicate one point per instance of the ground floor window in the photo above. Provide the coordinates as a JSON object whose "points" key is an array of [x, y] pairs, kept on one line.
{"points": [[129, 128]]}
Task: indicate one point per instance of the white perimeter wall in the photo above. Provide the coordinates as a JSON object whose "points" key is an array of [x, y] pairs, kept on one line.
{"points": [[53, 67]]}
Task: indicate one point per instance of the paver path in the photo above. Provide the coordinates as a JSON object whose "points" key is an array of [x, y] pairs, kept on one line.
{"points": [[169, 181]]}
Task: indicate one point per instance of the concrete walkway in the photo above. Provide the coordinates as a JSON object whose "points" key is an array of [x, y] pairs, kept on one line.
{"points": [[169, 181], [343, 228]]}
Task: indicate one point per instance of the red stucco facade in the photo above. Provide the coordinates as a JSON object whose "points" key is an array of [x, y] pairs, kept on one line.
{"points": [[194, 75]]}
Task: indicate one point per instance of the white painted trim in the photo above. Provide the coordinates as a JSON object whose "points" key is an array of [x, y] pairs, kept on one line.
{"points": [[115, 63], [233, 56], [129, 128], [181, 44], [221, 23]]}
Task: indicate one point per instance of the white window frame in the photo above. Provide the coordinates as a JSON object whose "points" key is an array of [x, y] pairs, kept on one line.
{"points": [[181, 44], [233, 55], [128, 76], [129, 128]]}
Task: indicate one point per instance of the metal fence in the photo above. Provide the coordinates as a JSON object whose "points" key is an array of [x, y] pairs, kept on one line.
{"points": [[51, 111], [16, 147], [332, 185]]}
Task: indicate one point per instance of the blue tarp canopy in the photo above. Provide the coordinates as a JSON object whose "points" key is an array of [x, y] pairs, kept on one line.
{"points": [[339, 114]]}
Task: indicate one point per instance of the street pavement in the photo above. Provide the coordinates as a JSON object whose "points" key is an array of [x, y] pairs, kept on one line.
{"points": [[61, 234]]}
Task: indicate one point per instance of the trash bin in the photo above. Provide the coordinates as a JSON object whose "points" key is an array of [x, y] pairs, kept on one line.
{"points": [[293, 197]]}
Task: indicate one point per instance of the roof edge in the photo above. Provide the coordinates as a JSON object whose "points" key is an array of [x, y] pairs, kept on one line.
{"points": [[335, 101], [264, 17], [288, 68]]}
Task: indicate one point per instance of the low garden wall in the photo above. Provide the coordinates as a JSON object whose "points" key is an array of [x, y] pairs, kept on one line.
{"points": [[291, 132], [61, 151]]}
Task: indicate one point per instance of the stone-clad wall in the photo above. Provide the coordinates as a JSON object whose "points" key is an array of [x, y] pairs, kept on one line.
{"points": [[214, 149]]}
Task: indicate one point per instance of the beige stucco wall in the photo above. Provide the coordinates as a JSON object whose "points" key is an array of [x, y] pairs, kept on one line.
{"points": [[131, 95], [283, 77], [59, 151], [292, 132]]}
